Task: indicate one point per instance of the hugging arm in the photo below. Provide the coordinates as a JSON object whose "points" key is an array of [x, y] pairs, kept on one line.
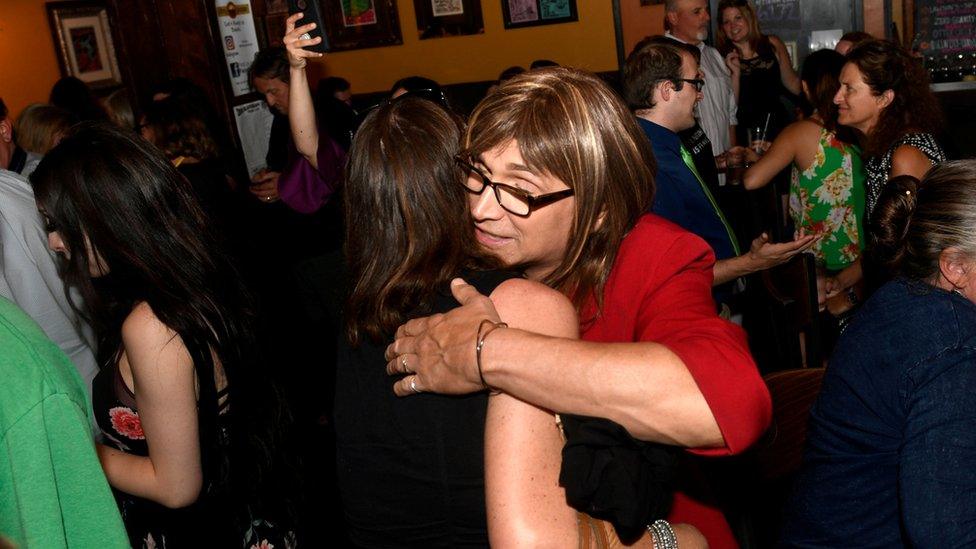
{"points": [[526, 506]]}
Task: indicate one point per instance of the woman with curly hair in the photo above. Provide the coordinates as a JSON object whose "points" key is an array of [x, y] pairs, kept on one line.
{"points": [[885, 96]]}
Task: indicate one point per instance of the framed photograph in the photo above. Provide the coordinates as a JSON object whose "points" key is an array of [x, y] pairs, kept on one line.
{"points": [[82, 35], [440, 18], [275, 27], [357, 24], [275, 7], [528, 13]]}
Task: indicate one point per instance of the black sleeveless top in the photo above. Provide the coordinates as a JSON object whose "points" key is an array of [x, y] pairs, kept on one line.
{"points": [[411, 469]]}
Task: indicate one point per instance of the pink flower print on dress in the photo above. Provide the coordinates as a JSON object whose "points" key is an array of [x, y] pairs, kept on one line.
{"points": [[126, 422], [263, 545]]}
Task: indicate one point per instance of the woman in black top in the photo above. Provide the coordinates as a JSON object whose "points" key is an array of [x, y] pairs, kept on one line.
{"points": [[762, 71], [187, 440]]}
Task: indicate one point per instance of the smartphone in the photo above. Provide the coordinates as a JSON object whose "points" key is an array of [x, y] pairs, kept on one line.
{"points": [[311, 14]]}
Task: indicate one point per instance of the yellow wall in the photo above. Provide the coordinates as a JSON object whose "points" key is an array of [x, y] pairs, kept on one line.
{"points": [[28, 66], [588, 43], [640, 21]]}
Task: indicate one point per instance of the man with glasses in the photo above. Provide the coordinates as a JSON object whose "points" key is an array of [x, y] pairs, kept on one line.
{"points": [[663, 83]]}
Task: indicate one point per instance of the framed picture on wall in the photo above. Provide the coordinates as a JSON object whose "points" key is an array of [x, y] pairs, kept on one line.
{"points": [[273, 7], [357, 24], [440, 18], [529, 13], [82, 35]]}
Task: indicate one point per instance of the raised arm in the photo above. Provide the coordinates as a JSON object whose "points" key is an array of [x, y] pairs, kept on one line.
{"points": [[301, 110], [164, 383], [788, 76], [523, 448]]}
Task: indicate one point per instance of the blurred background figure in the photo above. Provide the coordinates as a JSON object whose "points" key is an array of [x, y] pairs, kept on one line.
{"points": [[334, 111], [851, 39], [74, 96], [119, 109], [762, 72], [40, 127]]}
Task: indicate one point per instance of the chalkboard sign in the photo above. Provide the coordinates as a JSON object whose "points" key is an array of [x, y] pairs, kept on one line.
{"points": [[778, 14], [945, 26]]}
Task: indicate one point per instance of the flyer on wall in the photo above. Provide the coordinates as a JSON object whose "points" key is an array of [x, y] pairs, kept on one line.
{"points": [[239, 40]]}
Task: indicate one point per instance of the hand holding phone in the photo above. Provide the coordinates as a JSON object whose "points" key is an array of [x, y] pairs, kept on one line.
{"points": [[310, 21]]}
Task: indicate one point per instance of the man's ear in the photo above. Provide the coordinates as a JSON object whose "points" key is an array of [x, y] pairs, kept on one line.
{"points": [[954, 267], [6, 131], [666, 88]]}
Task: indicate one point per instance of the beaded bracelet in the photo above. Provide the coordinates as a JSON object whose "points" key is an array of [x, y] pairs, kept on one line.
{"points": [[662, 535], [481, 343]]}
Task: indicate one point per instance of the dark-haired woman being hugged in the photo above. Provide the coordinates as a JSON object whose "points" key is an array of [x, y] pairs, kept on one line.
{"points": [[891, 445], [176, 397]]}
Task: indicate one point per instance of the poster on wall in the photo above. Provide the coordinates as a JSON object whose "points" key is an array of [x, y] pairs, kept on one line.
{"points": [[254, 125], [356, 24], [240, 41], [442, 18], [356, 13], [528, 13], [83, 39]]}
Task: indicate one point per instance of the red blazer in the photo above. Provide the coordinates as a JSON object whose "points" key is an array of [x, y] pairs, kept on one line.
{"points": [[660, 290]]}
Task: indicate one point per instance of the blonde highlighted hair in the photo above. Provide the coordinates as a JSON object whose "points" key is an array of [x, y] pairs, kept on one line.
{"points": [[569, 124]]}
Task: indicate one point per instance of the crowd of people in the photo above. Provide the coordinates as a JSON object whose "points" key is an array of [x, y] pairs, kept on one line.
{"points": [[518, 326]]}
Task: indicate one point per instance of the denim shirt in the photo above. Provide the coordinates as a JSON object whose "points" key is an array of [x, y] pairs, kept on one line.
{"points": [[891, 449]]}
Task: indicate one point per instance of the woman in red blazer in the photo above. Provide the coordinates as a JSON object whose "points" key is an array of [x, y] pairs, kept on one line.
{"points": [[560, 177]]}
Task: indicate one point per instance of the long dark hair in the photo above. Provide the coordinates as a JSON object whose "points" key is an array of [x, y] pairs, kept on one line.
{"points": [[117, 202], [407, 222], [914, 108], [821, 73]]}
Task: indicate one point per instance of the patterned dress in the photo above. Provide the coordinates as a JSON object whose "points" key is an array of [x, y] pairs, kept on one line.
{"points": [[878, 169], [828, 198], [211, 521]]}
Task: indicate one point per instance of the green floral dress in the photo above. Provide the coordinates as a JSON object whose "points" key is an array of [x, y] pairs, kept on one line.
{"points": [[828, 198]]}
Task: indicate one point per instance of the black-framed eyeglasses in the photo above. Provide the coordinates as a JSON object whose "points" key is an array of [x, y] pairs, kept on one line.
{"points": [[698, 83], [512, 199]]}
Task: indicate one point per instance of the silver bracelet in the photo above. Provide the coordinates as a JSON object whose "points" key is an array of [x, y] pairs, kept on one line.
{"points": [[662, 535]]}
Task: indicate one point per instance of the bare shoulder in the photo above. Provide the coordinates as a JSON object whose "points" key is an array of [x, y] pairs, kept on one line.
{"points": [[909, 160], [536, 307], [145, 336]]}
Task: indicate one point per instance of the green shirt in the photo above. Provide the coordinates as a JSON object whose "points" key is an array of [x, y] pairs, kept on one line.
{"points": [[828, 199], [53, 492]]}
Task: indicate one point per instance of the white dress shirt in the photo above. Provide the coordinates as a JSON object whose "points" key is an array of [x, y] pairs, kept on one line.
{"points": [[716, 110], [29, 276]]}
